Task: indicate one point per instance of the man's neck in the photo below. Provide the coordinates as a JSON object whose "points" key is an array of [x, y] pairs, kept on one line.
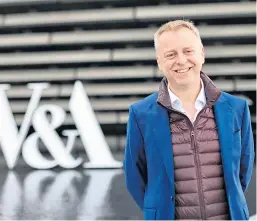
{"points": [[187, 95]]}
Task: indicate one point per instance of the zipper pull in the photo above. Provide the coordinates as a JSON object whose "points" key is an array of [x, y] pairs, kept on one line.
{"points": [[192, 140]]}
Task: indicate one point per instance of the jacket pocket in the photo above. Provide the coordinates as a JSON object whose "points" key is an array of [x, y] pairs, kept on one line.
{"points": [[237, 136], [149, 214], [246, 212]]}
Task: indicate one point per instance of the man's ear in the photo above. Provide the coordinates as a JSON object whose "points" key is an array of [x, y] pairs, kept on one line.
{"points": [[203, 55], [158, 63]]}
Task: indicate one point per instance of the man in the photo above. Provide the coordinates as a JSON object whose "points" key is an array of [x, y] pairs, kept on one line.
{"points": [[189, 151]]}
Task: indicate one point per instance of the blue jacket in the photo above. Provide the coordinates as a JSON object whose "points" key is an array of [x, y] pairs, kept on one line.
{"points": [[148, 159]]}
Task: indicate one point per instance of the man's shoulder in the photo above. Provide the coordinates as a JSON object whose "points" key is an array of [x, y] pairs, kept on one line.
{"points": [[233, 99], [236, 103], [144, 104]]}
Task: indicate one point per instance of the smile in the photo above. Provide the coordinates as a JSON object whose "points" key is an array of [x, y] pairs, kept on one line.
{"points": [[183, 70]]}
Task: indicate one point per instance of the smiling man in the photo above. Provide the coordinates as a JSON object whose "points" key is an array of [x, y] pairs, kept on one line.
{"points": [[189, 151]]}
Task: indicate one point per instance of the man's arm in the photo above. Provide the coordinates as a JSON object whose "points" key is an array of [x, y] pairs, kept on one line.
{"points": [[247, 153], [134, 161]]}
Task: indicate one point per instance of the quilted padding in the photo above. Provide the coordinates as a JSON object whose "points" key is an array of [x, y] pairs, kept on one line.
{"points": [[199, 183]]}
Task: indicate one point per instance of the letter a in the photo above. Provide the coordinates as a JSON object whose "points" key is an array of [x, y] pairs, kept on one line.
{"points": [[90, 131]]}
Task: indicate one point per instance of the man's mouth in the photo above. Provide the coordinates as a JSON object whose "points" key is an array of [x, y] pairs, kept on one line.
{"points": [[183, 70]]}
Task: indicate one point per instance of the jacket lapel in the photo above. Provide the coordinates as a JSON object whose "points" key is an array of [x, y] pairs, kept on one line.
{"points": [[162, 137]]}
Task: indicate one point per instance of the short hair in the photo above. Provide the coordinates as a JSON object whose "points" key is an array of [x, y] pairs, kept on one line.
{"points": [[175, 25]]}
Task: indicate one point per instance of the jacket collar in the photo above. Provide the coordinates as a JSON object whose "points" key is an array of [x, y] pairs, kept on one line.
{"points": [[212, 93]]}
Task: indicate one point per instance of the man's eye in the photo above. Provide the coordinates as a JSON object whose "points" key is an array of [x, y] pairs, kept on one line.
{"points": [[189, 51], [170, 55]]}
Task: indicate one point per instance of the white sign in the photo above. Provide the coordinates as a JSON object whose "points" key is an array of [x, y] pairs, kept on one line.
{"points": [[13, 141]]}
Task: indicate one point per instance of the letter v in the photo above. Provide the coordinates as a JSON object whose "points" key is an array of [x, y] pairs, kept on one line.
{"points": [[10, 139]]}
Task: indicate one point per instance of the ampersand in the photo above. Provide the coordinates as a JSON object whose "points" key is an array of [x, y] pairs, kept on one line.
{"points": [[45, 130]]}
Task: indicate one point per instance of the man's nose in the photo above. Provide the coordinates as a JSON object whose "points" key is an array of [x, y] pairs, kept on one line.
{"points": [[181, 59]]}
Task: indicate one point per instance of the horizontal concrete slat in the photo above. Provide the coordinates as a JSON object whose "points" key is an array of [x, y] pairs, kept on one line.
{"points": [[116, 72], [110, 89], [54, 57], [246, 85], [146, 34], [138, 88], [37, 75], [235, 9], [80, 73], [91, 89], [103, 36], [253, 119], [225, 85], [124, 118], [22, 2], [133, 54], [218, 69], [103, 118], [27, 39], [114, 88], [97, 104], [1, 20], [73, 16], [75, 56], [115, 104], [23, 92], [210, 52], [230, 51], [227, 31], [121, 35], [160, 12], [247, 68], [99, 73]]}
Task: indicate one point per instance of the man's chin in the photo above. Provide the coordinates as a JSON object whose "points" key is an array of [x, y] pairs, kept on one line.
{"points": [[182, 80], [183, 84]]}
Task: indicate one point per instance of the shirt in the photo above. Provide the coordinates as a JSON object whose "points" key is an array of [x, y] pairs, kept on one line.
{"points": [[199, 102]]}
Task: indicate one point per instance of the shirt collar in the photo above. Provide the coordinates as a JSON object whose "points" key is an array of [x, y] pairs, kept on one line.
{"points": [[200, 98]]}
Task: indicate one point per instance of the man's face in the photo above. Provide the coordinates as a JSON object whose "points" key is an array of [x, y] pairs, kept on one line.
{"points": [[180, 57]]}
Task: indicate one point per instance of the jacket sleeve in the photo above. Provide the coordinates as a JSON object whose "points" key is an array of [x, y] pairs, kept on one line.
{"points": [[247, 153], [134, 161]]}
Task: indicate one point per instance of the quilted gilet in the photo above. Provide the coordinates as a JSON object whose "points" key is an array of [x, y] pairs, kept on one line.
{"points": [[200, 191]]}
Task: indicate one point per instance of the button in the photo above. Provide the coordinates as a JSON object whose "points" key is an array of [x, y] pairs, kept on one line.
{"points": [[171, 197]]}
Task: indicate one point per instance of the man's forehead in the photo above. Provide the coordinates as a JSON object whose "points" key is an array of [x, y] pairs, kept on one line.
{"points": [[186, 39], [173, 49]]}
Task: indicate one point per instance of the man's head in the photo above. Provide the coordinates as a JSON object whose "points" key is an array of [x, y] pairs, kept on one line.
{"points": [[179, 53]]}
